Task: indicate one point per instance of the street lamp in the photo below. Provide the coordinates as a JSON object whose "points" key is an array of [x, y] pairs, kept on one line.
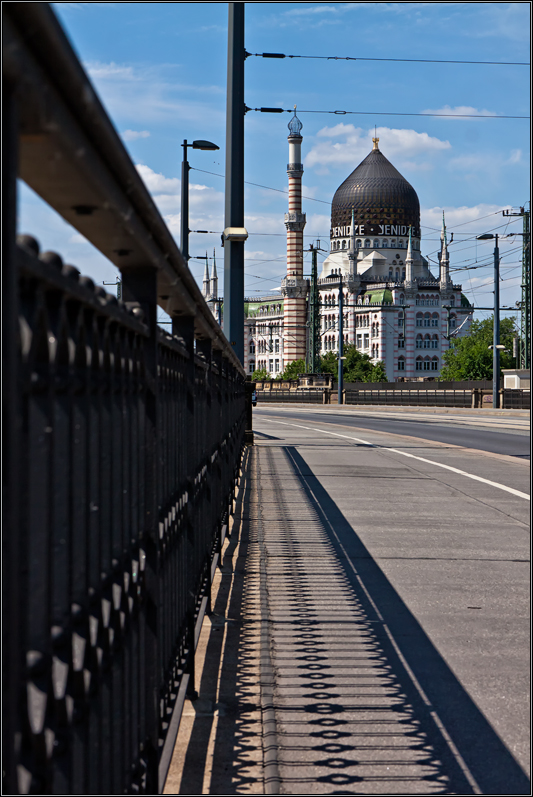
{"points": [[496, 325], [185, 168]]}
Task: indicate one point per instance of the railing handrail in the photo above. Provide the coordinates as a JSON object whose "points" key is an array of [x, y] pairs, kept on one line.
{"points": [[40, 59]]}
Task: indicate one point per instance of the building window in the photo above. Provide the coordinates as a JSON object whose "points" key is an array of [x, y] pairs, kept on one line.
{"points": [[419, 342], [435, 342], [359, 339], [401, 364], [400, 244], [452, 301], [276, 346], [385, 244], [427, 320], [366, 341], [434, 364], [276, 368], [419, 364], [400, 321], [376, 244], [401, 343], [427, 342], [252, 347], [367, 244], [358, 244], [344, 244], [270, 365], [452, 322], [252, 366]]}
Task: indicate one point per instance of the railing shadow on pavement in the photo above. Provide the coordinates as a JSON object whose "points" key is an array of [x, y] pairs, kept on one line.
{"points": [[229, 755], [449, 746]]}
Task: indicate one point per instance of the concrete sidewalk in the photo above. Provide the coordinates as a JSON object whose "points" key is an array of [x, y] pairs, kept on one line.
{"points": [[321, 675]]}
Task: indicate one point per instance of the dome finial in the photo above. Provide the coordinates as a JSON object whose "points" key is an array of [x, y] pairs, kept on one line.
{"points": [[375, 139], [295, 126]]}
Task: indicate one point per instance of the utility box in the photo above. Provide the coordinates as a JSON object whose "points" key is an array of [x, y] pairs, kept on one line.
{"points": [[516, 378]]}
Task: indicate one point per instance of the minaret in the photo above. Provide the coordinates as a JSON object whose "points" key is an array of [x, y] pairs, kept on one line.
{"points": [[214, 279], [294, 287], [409, 262], [205, 289], [444, 258]]}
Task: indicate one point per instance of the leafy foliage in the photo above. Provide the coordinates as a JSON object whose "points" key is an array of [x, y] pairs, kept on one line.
{"points": [[293, 369], [260, 375], [471, 358], [357, 367]]}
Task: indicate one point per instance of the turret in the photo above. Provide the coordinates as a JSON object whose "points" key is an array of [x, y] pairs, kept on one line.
{"points": [[214, 279], [444, 258], [205, 289]]}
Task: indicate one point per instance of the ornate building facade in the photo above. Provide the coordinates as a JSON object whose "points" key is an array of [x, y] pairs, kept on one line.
{"points": [[395, 309]]}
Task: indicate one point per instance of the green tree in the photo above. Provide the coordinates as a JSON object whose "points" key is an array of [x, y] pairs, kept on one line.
{"points": [[260, 375], [356, 367], [471, 358], [293, 369], [328, 363]]}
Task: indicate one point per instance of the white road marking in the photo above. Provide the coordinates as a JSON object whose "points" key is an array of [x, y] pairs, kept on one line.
{"points": [[412, 456]]}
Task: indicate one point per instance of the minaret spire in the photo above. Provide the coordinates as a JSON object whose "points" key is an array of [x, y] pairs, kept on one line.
{"points": [[444, 257], [294, 286], [409, 261], [205, 290], [214, 279]]}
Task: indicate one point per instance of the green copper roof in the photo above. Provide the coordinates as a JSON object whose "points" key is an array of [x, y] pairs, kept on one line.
{"points": [[381, 296]]}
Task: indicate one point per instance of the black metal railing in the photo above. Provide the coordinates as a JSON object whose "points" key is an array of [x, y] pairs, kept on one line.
{"points": [[122, 448]]}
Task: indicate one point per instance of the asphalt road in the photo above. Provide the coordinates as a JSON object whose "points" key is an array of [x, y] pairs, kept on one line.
{"points": [[395, 549], [510, 436]]}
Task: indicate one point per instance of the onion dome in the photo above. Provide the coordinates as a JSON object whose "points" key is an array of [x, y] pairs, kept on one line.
{"points": [[295, 126], [379, 197]]}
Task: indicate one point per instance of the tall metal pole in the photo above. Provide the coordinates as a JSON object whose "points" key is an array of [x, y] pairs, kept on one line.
{"points": [[496, 336], [526, 292], [234, 206], [341, 340], [314, 325], [184, 220]]}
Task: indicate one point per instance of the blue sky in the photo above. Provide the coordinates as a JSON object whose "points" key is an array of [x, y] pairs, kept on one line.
{"points": [[160, 69]]}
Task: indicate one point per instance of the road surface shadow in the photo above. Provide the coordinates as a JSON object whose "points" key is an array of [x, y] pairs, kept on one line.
{"points": [[456, 741]]}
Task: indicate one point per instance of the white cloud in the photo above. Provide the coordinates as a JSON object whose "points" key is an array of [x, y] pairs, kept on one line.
{"points": [[464, 112], [158, 183], [133, 135], [356, 143], [142, 94], [515, 156]]}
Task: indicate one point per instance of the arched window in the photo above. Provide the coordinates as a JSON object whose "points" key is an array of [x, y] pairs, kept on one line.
{"points": [[427, 341], [397, 273], [435, 320], [435, 364], [252, 347], [358, 244], [419, 342], [393, 244], [453, 321], [403, 273], [344, 244], [385, 243], [401, 364], [418, 301], [452, 301], [419, 320], [427, 364], [427, 320], [435, 342], [367, 244], [419, 366], [390, 271], [376, 244], [402, 299], [400, 244]]}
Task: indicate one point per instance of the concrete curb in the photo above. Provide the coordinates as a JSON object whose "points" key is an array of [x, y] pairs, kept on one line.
{"points": [[272, 779]]}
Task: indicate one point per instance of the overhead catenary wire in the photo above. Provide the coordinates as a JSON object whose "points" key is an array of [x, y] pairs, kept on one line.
{"points": [[398, 60], [388, 113]]}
